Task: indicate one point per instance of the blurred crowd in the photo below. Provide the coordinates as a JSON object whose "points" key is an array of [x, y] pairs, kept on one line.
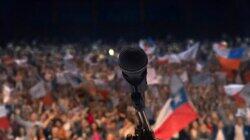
{"points": [[74, 91]]}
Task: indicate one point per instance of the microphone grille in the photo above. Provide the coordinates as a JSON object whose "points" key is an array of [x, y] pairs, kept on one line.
{"points": [[132, 59]]}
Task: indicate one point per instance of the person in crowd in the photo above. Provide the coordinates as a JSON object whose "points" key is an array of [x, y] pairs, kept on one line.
{"points": [[241, 131]]}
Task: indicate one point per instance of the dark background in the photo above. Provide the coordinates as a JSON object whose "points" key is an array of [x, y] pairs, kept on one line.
{"points": [[131, 19]]}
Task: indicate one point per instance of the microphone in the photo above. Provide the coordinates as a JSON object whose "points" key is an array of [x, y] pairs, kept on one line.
{"points": [[133, 63]]}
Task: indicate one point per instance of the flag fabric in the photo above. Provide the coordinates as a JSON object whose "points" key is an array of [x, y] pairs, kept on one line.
{"points": [[169, 58], [162, 59], [229, 58], [38, 90], [239, 92], [233, 89], [174, 58], [176, 114], [149, 49], [4, 121], [190, 53], [152, 78], [187, 55]]}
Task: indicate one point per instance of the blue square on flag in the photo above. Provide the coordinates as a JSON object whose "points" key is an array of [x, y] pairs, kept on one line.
{"points": [[236, 53], [178, 99]]}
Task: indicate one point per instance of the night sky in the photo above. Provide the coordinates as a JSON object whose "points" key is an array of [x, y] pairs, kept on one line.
{"points": [[123, 18]]}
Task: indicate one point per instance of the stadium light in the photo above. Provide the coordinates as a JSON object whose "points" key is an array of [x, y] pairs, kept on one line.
{"points": [[111, 52]]}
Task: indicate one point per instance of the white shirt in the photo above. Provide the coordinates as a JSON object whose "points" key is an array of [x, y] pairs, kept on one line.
{"points": [[220, 135], [239, 133]]}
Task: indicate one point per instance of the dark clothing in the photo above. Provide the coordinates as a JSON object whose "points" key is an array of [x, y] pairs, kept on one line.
{"points": [[229, 132]]}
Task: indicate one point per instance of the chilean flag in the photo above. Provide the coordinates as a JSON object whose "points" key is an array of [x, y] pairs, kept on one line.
{"points": [[4, 121], [239, 92], [229, 58], [176, 114]]}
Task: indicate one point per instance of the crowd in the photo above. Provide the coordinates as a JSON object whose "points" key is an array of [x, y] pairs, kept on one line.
{"points": [[76, 92]]}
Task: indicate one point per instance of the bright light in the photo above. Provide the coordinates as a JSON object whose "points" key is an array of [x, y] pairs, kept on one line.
{"points": [[111, 52]]}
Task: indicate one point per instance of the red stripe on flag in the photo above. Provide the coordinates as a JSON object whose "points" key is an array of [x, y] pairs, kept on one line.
{"points": [[179, 119], [231, 64], [4, 123], [239, 101], [161, 62]]}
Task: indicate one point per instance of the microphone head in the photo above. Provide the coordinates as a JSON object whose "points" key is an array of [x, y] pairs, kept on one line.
{"points": [[133, 62], [132, 59]]}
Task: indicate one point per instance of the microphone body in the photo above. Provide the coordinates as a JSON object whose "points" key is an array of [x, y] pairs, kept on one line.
{"points": [[133, 63]]}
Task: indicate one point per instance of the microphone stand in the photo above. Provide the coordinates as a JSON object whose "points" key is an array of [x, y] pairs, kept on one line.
{"points": [[143, 130]]}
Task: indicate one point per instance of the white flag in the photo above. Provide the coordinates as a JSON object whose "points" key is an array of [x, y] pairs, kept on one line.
{"points": [[38, 90], [190, 53], [173, 58]]}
